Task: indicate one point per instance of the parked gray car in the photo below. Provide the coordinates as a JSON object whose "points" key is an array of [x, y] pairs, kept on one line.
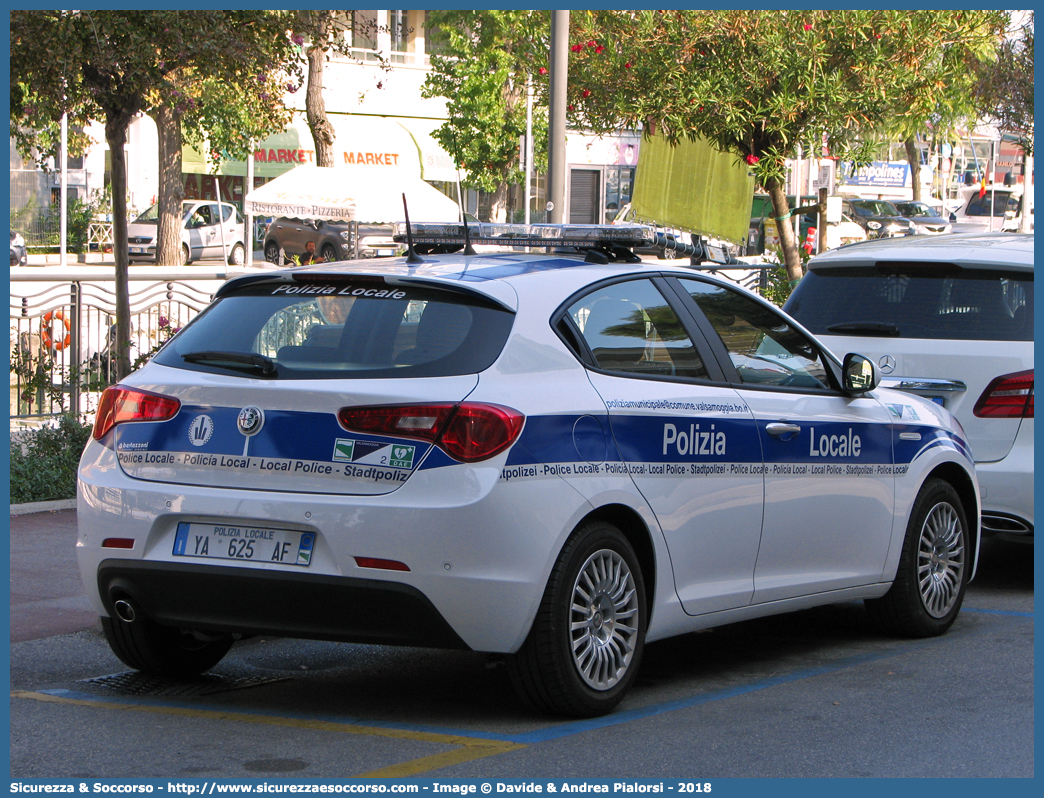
{"points": [[879, 218], [333, 240], [925, 220]]}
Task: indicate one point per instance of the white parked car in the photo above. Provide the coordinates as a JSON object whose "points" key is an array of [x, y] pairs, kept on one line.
{"points": [[838, 234], [556, 456], [949, 318], [201, 234], [999, 209]]}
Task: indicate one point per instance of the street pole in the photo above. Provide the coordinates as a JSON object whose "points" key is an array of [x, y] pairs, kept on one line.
{"points": [[248, 236], [529, 143], [993, 183], [221, 224], [1027, 193], [556, 162], [797, 196], [64, 201]]}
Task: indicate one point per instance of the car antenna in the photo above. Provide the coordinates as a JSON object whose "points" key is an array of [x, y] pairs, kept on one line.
{"points": [[468, 249], [412, 256]]}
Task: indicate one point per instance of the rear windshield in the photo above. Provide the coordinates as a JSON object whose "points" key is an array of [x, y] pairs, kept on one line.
{"points": [[964, 304], [358, 329]]}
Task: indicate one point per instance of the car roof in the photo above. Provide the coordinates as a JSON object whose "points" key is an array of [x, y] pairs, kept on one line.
{"points": [[493, 275], [973, 250]]}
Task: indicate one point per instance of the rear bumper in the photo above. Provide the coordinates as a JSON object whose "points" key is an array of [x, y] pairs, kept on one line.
{"points": [[478, 558], [250, 602], [1007, 488]]}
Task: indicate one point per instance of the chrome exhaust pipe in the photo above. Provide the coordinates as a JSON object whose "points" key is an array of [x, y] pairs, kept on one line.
{"points": [[125, 610]]}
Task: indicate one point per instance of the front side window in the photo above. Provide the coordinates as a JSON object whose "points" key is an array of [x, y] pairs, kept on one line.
{"points": [[630, 329], [763, 346]]}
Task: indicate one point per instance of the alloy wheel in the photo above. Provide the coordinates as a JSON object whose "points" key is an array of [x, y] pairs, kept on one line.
{"points": [[940, 559], [603, 619]]}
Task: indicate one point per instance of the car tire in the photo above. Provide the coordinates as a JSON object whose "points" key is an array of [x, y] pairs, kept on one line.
{"points": [[933, 567], [272, 252], [586, 643], [186, 256], [237, 257], [160, 650], [328, 253]]}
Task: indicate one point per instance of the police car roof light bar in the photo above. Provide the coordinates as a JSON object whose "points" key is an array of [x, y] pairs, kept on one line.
{"points": [[578, 236]]}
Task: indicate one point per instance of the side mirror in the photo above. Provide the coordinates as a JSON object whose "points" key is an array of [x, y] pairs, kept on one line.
{"points": [[953, 217], [859, 374]]}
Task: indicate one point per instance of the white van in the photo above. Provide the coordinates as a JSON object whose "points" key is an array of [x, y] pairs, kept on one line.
{"points": [[999, 209]]}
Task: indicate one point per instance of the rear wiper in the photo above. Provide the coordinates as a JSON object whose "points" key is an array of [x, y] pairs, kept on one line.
{"points": [[868, 327], [266, 364]]}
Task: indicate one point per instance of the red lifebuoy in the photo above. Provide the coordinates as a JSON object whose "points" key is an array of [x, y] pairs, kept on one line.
{"points": [[47, 338]]}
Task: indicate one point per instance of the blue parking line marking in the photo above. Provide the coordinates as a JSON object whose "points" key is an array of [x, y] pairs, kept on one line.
{"points": [[615, 719], [568, 729]]}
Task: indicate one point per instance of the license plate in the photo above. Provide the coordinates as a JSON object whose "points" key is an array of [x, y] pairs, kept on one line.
{"points": [[244, 543], [136, 250]]}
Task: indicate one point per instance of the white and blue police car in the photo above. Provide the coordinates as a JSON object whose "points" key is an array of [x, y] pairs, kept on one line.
{"points": [[552, 451]]}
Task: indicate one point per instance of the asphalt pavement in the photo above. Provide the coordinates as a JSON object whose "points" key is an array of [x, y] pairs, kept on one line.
{"points": [[811, 694], [47, 595]]}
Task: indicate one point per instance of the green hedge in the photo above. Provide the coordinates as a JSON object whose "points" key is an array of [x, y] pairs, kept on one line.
{"points": [[44, 460]]}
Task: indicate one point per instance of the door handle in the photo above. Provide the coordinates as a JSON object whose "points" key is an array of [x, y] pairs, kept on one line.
{"points": [[779, 428]]}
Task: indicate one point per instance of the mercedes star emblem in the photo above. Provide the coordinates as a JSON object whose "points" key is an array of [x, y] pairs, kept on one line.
{"points": [[887, 364]]}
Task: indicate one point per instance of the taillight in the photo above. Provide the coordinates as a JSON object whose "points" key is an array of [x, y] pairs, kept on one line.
{"points": [[120, 404], [1010, 396], [468, 431]]}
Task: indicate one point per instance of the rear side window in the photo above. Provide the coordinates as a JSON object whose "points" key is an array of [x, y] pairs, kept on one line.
{"points": [[964, 304], [341, 330], [630, 329]]}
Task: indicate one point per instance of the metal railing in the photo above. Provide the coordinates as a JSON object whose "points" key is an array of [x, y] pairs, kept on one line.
{"points": [[63, 333], [63, 330]]}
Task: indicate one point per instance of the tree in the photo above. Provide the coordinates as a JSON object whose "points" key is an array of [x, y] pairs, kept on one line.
{"points": [[227, 92], [323, 29], [109, 66], [327, 32], [482, 71], [1004, 87], [756, 83], [953, 104]]}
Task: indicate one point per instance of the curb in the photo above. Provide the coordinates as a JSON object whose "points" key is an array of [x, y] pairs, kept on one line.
{"points": [[43, 507]]}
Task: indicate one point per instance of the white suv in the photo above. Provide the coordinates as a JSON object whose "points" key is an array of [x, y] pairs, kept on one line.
{"points": [[949, 318]]}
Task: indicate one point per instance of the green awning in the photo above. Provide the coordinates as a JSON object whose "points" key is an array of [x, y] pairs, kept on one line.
{"points": [[693, 187]]}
